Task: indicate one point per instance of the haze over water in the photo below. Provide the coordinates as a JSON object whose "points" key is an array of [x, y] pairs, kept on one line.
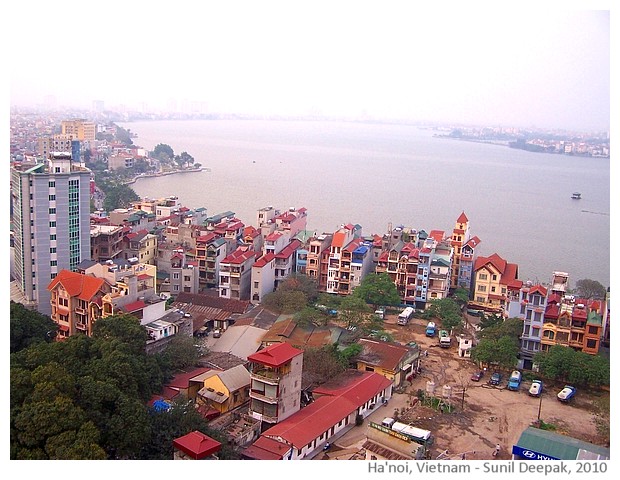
{"points": [[518, 203]]}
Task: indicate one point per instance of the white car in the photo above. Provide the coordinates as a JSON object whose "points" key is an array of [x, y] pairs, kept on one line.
{"points": [[536, 388]]}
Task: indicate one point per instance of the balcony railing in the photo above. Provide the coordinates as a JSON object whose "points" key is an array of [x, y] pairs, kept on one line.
{"points": [[272, 378], [262, 397]]}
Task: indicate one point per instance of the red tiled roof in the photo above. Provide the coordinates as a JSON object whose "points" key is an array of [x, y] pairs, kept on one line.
{"points": [[462, 218], [473, 242], [134, 306], [339, 239], [538, 289], [264, 260], [333, 402], [436, 235], [77, 285], [239, 256], [197, 445], [275, 355], [289, 249], [266, 449]]}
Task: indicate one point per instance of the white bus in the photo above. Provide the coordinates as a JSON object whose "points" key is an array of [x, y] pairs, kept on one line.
{"points": [[405, 315]]}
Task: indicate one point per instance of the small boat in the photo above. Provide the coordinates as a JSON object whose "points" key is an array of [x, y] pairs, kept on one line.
{"points": [[576, 196]]}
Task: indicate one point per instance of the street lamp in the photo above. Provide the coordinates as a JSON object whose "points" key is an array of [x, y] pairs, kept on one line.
{"points": [[539, 407]]}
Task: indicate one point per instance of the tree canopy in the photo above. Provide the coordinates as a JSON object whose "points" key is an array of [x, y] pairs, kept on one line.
{"points": [[28, 327], [86, 397], [567, 365], [587, 288], [447, 310], [377, 289]]}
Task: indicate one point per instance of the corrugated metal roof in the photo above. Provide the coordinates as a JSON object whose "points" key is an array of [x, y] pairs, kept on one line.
{"points": [[559, 446]]}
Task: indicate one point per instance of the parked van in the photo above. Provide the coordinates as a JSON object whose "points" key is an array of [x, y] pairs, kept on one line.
{"points": [[515, 380], [380, 312]]}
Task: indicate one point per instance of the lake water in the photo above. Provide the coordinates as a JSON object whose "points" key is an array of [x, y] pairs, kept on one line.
{"points": [[518, 203]]}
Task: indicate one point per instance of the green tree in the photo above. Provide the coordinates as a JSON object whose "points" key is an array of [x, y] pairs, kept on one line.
{"points": [[587, 288], [163, 152], [461, 296], [184, 160], [180, 353], [322, 364], [329, 300], [353, 311], [556, 363], [567, 365], [493, 326], [118, 196], [447, 311], [501, 351], [377, 289], [28, 327], [126, 328], [310, 316]]}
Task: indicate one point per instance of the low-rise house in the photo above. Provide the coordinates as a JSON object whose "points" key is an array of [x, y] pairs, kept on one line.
{"points": [[223, 391], [337, 406], [392, 360], [196, 446]]}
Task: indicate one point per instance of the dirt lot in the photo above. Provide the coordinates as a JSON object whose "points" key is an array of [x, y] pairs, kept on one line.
{"points": [[484, 415]]}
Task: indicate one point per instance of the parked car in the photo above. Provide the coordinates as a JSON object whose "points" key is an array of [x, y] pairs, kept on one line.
{"points": [[536, 388], [495, 379], [567, 393], [476, 376], [217, 333]]}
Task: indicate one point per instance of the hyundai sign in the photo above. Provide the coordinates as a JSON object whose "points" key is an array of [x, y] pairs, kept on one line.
{"points": [[527, 454]]}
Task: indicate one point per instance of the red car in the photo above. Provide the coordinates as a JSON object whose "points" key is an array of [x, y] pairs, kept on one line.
{"points": [[476, 376]]}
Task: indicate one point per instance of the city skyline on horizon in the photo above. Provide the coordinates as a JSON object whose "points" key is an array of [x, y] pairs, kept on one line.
{"points": [[545, 67]]}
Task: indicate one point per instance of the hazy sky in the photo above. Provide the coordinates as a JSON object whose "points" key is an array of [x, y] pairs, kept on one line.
{"points": [[543, 64]]}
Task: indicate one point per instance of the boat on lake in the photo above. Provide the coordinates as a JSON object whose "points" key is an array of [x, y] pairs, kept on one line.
{"points": [[576, 196]]}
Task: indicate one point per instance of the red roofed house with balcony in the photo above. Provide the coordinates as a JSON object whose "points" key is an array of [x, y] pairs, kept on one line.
{"points": [[196, 446], [496, 283], [275, 389], [77, 302], [340, 240]]}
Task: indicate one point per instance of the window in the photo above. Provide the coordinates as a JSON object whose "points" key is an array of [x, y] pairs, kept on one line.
{"points": [[53, 237], [51, 184], [482, 276], [52, 198], [52, 211], [52, 224], [494, 277], [53, 250]]}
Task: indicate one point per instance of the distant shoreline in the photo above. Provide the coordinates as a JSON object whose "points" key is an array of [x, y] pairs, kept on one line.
{"points": [[163, 174]]}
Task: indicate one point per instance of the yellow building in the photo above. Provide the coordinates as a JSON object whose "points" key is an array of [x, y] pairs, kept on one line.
{"points": [[80, 129], [223, 391], [496, 283]]}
